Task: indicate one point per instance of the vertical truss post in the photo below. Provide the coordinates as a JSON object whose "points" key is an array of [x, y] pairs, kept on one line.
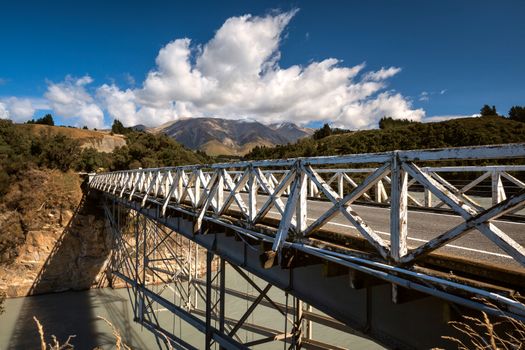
{"points": [[498, 191], [209, 306], [340, 184], [379, 189], [144, 264], [220, 190], [301, 209], [308, 334], [252, 194], [222, 295], [398, 209], [298, 327]]}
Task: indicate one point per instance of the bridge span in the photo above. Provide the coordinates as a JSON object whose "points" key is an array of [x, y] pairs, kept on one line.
{"points": [[391, 245]]}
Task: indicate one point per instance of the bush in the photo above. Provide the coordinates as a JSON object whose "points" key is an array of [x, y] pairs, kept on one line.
{"points": [[55, 151], [91, 160]]}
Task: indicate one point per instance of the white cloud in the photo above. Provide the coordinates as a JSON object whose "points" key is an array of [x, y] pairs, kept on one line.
{"points": [[4, 114], [129, 79], [71, 100], [237, 75], [17, 109], [424, 96], [382, 74]]}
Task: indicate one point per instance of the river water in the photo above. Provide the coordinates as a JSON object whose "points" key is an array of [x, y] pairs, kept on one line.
{"points": [[75, 313]]}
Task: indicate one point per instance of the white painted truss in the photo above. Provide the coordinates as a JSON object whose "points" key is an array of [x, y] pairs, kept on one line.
{"points": [[400, 180]]}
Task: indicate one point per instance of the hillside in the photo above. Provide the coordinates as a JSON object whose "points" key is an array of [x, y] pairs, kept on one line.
{"points": [[102, 141], [230, 137], [451, 133], [24, 147]]}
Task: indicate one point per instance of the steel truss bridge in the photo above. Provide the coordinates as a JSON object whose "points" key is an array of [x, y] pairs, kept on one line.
{"points": [[388, 245]]}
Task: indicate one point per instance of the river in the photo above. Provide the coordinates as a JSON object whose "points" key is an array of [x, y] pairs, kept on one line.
{"points": [[75, 313]]}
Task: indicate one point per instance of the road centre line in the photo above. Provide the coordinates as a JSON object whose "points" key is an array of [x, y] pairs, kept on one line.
{"points": [[417, 239]]}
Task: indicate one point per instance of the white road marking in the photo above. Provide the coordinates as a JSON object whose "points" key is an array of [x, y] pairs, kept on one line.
{"points": [[423, 240], [417, 239], [438, 214]]}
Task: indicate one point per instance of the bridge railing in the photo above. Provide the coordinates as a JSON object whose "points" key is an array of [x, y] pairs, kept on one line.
{"points": [[259, 190], [483, 186]]}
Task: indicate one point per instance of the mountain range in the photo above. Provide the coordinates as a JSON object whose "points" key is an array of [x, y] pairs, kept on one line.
{"points": [[216, 136]]}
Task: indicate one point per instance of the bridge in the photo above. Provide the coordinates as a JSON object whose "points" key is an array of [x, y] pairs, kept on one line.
{"points": [[391, 246]]}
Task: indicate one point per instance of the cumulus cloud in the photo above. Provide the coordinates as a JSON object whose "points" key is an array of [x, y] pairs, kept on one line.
{"points": [[4, 114], [237, 75], [70, 99], [17, 109]]}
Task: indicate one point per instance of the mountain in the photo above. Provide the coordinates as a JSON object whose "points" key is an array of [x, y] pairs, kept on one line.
{"points": [[217, 136]]}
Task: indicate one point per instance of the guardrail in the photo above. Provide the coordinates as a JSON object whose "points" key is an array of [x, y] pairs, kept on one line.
{"points": [[209, 191]]}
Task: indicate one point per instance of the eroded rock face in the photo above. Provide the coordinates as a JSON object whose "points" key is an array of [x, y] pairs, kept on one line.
{"points": [[106, 144], [54, 237], [61, 247]]}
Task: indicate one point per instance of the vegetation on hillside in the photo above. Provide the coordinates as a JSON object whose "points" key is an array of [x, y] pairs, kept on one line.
{"points": [[396, 134], [49, 148], [144, 150]]}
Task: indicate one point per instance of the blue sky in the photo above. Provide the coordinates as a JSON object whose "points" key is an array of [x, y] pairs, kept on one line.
{"points": [[451, 56]]}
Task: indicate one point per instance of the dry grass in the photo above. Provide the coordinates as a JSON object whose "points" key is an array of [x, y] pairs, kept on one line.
{"points": [[485, 334], [119, 344], [55, 343], [74, 133]]}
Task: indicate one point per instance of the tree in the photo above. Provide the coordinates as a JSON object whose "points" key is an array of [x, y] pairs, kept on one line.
{"points": [[486, 111], [517, 113], [45, 120], [389, 122], [323, 132], [55, 151], [118, 127]]}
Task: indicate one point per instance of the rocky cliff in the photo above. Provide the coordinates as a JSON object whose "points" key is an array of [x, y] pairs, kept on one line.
{"points": [[52, 236]]}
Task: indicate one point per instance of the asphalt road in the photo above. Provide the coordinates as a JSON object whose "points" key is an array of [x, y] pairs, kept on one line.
{"points": [[422, 227]]}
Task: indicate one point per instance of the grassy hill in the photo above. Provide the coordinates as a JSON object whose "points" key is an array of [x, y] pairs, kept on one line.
{"points": [[102, 141], [451, 133], [24, 147]]}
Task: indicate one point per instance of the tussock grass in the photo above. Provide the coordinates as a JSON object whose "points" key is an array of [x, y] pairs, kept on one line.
{"points": [[484, 333]]}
